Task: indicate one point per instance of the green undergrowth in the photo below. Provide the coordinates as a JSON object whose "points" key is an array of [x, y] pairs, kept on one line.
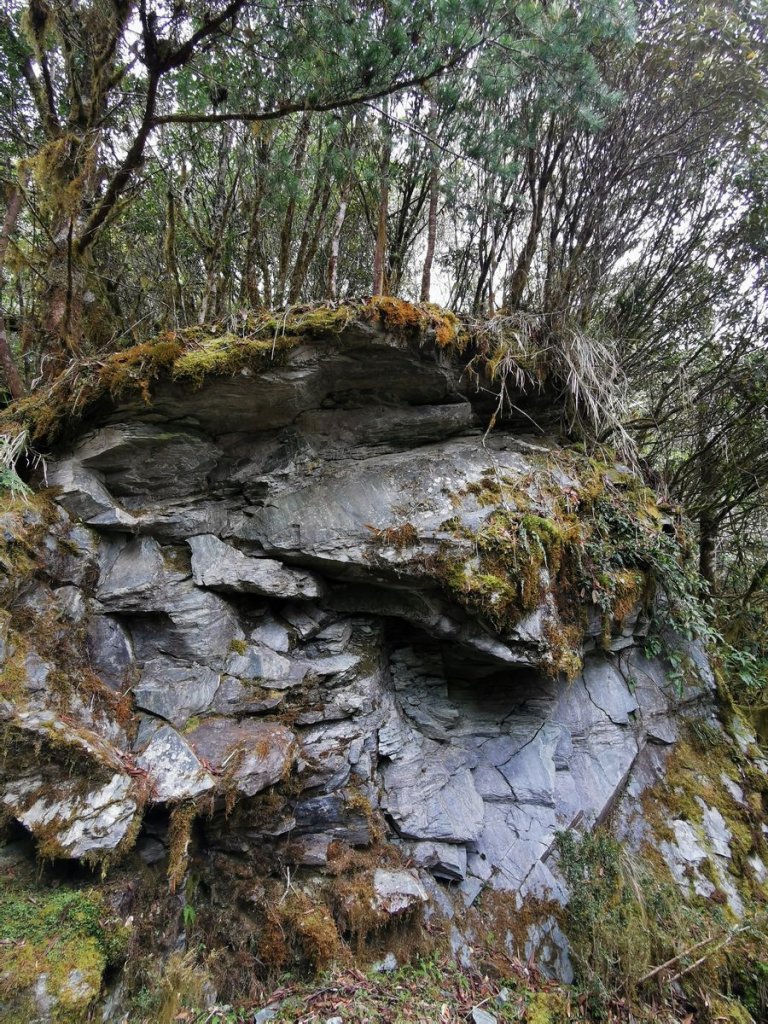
{"points": [[639, 936], [602, 541], [434, 988], [703, 770], [253, 342]]}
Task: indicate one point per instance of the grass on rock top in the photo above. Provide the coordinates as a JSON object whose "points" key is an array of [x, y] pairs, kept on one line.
{"points": [[192, 354]]}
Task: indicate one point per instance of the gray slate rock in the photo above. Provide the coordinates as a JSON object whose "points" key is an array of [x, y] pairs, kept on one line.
{"points": [[481, 1016], [174, 771], [395, 892], [219, 566], [252, 754], [432, 799], [77, 823], [444, 860], [175, 690]]}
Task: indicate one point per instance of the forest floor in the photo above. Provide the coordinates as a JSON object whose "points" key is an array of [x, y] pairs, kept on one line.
{"points": [[501, 990]]}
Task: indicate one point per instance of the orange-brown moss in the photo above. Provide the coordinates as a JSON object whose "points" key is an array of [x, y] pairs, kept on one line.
{"points": [[398, 537], [194, 353], [399, 316]]}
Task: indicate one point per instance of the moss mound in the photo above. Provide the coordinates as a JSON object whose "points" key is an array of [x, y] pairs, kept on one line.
{"points": [[56, 946]]}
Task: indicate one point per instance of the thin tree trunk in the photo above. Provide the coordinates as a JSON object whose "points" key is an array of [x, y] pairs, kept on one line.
{"points": [[12, 375], [707, 550], [538, 189], [381, 226], [312, 244], [175, 293], [310, 232], [429, 256], [333, 261], [286, 233]]}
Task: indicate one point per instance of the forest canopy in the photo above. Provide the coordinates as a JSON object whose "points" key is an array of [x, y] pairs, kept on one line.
{"points": [[591, 176]]}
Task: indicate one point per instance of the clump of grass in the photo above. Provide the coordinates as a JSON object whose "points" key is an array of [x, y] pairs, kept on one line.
{"points": [[521, 351], [399, 537]]}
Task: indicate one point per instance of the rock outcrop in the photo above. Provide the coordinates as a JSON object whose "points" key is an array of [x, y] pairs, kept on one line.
{"points": [[319, 608]]}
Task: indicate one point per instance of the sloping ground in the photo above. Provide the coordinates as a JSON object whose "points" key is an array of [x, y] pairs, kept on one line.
{"points": [[314, 670]]}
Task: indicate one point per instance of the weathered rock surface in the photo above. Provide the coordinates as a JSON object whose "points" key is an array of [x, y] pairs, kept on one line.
{"points": [[260, 572], [219, 566], [395, 892]]}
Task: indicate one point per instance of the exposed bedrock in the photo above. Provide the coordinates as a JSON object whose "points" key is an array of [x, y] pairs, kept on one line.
{"points": [[279, 579]]}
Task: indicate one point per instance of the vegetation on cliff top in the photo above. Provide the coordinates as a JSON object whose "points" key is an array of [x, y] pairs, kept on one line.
{"points": [[252, 343], [506, 354]]}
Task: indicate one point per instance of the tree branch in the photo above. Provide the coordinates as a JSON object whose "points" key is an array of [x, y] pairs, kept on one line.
{"points": [[316, 106]]}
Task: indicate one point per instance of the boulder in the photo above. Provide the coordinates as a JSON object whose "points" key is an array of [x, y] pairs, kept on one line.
{"points": [[173, 770], [250, 754], [395, 892]]}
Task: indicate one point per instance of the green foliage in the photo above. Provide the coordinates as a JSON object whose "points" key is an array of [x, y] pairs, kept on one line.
{"points": [[633, 931]]}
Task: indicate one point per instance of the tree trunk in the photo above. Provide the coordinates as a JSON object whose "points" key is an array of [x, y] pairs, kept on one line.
{"points": [[309, 249], [707, 550], [12, 375], [381, 226], [333, 261], [429, 255], [286, 232], [174, 289]]}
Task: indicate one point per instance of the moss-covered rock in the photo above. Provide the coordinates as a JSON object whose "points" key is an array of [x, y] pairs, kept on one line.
{"points": [[56, 947]]}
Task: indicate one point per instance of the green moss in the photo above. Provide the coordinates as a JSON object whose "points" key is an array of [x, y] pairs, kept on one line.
{"points": [[547, 1008], [596, 541], [626, 917], [228, 355], [501, 580], [66, 934], [194, 354], [179, 839], [13, 674]]}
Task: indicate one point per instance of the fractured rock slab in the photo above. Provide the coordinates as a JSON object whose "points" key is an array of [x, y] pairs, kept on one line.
{"points": [[174, 771], [175, 690], [220, 566], [252, 754], [395, 892]]}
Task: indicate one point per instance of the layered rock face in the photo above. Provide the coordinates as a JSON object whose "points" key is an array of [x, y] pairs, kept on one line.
{"points": [[286, 584]]}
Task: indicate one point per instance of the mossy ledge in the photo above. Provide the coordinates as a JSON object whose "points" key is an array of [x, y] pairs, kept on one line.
{"points": [[190, 355], [601, 543]]}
